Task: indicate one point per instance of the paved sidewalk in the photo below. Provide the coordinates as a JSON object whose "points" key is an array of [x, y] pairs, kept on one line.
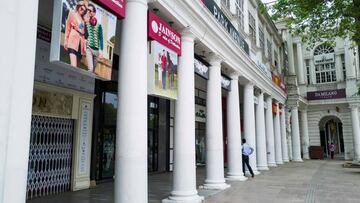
{"points": [[309, 182]]}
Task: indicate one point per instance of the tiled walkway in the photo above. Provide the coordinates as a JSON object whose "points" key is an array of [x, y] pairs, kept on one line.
{"points": [[309, 182]]}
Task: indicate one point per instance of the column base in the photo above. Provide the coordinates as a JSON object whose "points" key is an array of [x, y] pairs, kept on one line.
{"points": [[279, 163], [297, 160], [263, 168], [272, 165], [214, 186], [184, 199], [285, 160], [236, 177]]}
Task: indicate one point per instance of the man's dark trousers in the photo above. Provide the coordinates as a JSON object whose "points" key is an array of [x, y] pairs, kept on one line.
{"points": [[245, 160]]}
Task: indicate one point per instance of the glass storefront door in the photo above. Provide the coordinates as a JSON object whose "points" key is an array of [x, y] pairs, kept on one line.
{"points": [[153, 134], [106, 141]]}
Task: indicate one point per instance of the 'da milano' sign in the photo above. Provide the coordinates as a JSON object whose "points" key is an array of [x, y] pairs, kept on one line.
{"points": [[328, 94], [225, 22], [116, 6]]}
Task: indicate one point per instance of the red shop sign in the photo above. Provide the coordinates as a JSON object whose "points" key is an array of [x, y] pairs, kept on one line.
{"points": [[160, 31], [115, 6]]}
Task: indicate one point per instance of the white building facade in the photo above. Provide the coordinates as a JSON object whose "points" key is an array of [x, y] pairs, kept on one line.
{"points": [[245, 59]]}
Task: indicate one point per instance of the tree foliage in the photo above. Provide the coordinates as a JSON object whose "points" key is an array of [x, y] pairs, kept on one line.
{"points": [[315, 20]]}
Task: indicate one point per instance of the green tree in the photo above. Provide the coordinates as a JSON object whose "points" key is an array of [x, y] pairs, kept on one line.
{"points": [[316, 20]]}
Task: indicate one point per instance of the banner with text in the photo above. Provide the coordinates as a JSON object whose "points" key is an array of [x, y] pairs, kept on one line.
{"points": [[160, 31]]}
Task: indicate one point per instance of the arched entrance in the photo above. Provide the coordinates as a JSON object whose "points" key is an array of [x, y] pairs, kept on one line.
{"points": [[331, 131]]}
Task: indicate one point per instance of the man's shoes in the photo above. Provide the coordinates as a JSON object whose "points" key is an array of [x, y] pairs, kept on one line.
{"points": [[252, 175]]}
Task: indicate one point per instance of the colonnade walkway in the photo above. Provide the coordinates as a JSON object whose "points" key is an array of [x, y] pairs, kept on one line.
{"points": [[311, 181]]}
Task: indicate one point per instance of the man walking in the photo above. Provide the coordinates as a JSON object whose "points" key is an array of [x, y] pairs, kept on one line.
{"points": [[246, 152]]}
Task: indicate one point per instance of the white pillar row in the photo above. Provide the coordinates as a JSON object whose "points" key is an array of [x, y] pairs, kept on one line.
{"points": [[305, 134], [284, 146], [277, 135], [234, 132], [184, 173], [17, 66], [131, 174], [249, 123], [300, 59], [214, 135], [356, 131], [270, 144], [296, 146], [261, 157]]}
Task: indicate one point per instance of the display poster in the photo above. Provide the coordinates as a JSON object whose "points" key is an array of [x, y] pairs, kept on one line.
{"points": [[83, 37], [162, 71], [84, 137], [200, 113], [50, 73]]}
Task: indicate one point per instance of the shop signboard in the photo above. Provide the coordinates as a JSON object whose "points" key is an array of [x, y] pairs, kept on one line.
{"points": [[201, 69], [225, 83], [327, 94], [162, 71], [277, 80], [324, 58], [226, 24], [200, 113], [160, 31], [274, 108], [50, 73], [83, 37], [116, 6]]}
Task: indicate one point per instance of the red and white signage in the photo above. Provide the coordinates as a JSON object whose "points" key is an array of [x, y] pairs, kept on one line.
{"points": [[160, 31], [115, 6]]}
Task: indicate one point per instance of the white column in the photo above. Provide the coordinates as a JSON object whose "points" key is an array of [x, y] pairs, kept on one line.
{"points": [[290, 48], [296, 148], [234, 133], [184, 173], [17, 64], [277, 135], [284, 145], [261, 157], [305, 134], [131, 132], [270, 145], [356, 131], [349, 60], [288, 132], [249, 123], [301, 76], [214, 136], [339, 68], [246, 16]]}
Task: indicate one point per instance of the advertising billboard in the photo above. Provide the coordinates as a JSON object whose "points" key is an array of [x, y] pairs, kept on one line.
{"points": [[162, 71], [83, 37]]}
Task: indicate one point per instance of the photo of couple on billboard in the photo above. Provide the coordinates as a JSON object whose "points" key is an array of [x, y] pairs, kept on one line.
{"points": [[164, 67], [87, 37]]}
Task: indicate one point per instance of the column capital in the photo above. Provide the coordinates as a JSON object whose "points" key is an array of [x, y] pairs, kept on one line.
{"points": [[187, 34], [234, 75], [215, 59], [249, 85], [353, 106]]}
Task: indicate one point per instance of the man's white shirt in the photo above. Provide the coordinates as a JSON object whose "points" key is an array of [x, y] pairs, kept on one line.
{"points": [[246, 149]]}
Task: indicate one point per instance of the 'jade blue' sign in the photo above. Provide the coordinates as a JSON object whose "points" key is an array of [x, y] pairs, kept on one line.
{"points": [[225, 22]]}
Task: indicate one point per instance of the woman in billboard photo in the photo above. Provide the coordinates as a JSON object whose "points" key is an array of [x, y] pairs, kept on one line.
{"points": [[74, 41], [94, 39]]}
